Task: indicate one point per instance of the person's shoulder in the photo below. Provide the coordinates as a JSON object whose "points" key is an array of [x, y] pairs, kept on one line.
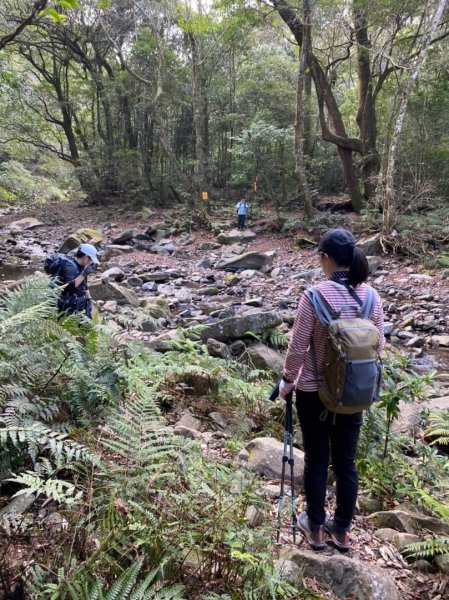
{"points": [[365, 287]]}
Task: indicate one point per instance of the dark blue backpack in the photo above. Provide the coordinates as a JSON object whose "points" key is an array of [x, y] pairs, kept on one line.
{"points": [[53, 264]]}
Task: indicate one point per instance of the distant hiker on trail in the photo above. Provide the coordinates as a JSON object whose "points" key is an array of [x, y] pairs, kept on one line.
{"points": [[332, 364], [242, 210], [72, 273]]}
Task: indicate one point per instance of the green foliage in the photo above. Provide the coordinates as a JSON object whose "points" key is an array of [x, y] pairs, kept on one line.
{"points": [[438, 428], [19, 186], [428, 548], [393, 467]]}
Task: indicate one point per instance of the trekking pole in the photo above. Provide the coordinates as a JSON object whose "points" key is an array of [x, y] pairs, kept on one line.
{"points": [[287, 457]]}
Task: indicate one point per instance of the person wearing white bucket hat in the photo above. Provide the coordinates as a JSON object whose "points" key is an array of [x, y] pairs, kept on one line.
{"points": [[72, 273]]}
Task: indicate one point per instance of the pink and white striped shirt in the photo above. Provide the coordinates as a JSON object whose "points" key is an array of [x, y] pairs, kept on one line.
{"points": [[299, 363]]}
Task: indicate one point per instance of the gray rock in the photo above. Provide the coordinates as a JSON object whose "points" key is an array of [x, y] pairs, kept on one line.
{"points": [[218, 419], [24, 225], [237, 348], [258, 302], [232, 250], [408, 522], [309, 275], [424, 566], [265, 358], [371, 246], [401, 540], [150, 286], [163, 342], [115, 250], [16, 507], [250, 274], [107, 290], [249, 260], [386, 534], [186, 239], [264, 456], [164, 247], [113, 274], [123, 237], [82, 236], [388, 328], [254, 516], [159, 276], [134, 281], [344, 576], [374, 263], [234, 328], [421, 277], [230, 237], [440, 340], [110, 306], [205, 264], [442, 563], [209, 246], [186, 432], [188, 420], [218, 349], [368, 505], [415, 342]]}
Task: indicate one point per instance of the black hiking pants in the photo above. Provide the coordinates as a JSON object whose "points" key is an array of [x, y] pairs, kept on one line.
{"points": [[328, 436], [241, 221]]}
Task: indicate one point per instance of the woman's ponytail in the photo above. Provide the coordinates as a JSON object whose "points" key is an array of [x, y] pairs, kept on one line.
{"points": [[358, 269]]}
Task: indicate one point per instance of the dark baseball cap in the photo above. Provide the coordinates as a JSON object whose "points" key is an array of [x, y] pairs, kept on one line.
{"points": [[339, 244]]}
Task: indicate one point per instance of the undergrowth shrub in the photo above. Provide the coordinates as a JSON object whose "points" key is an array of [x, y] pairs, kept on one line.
{"points": [[145, 514], [395, 467]]}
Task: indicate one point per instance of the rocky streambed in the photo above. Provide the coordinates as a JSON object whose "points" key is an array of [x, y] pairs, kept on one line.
{"points": [[158, 276]]}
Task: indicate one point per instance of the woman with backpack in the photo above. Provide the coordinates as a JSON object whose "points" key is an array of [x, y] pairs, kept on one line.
{"points": [[332, 364]]}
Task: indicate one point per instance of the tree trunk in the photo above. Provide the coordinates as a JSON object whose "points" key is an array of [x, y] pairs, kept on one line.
{"points": [[200, 117], [366, 113], [300, 167], [389, 196], [345, 145]]}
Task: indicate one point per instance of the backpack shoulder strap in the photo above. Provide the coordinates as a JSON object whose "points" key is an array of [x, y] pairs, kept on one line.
{"points": [[367, 308], [323, 310]]}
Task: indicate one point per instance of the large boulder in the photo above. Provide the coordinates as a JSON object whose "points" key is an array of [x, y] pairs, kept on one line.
{"points": [[235, 235], [82, 236], [408, 522], [265, 358], [124, 236], [249, 260], [344, 576], [24, 224], [108, 290], [371, 245], [234, 328], [264, 456]]}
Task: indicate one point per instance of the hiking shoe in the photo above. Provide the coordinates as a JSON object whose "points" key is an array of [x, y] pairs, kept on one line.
{"points": [[313, 534], [339, 536]]}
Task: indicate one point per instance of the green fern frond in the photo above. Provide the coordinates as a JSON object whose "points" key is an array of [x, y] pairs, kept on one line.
{"points": [[277, 339], [438, 428], [428, 548], [58, 490]]}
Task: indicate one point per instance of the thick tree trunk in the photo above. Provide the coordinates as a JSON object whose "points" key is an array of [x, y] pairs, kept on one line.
{"points": [[389, 195], [346, 146], [366, 113], [200, 117], [304, 59]]}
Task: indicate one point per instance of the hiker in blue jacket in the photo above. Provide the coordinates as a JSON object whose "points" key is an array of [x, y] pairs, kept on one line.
{"points": [[72, 273], [242, 210]]}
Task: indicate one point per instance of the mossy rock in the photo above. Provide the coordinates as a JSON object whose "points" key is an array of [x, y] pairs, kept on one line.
{"points": [[82, 236]]}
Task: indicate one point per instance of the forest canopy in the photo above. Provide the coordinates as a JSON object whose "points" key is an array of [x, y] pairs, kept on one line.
{"points": [[158, 101]]}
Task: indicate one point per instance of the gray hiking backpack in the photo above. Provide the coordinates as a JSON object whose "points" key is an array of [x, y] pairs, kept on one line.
{"points": [[352, 370]]}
